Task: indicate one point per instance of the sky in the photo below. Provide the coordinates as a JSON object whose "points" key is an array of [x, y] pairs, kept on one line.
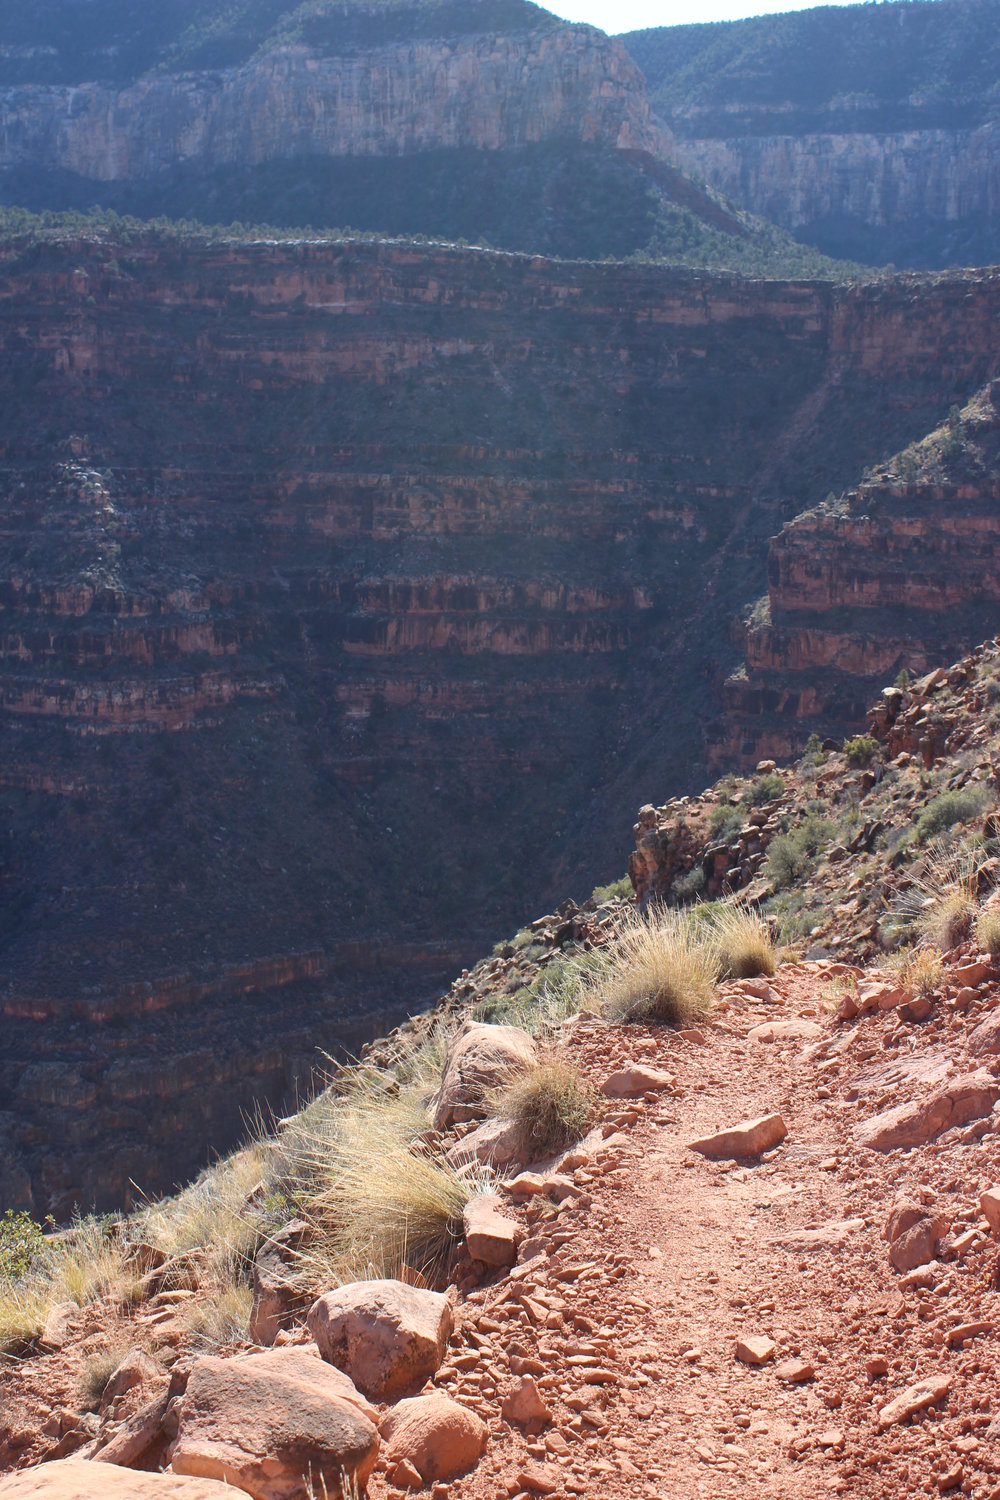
{"points": [[633, 15]]}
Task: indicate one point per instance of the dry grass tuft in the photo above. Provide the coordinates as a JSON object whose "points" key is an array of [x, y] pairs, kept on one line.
{"points": [[660, 969], [98, 1368], [221, 1315], [377, 1201], [743, 943], [24, 1307], [988, 931], [550, 1106], [919, 969]]}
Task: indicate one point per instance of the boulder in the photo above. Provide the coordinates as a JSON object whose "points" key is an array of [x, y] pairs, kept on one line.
{"points": [[989, 1207], [479, 1059], [276, 1301], [437, 1436], [913, 1234], [984, 1039], [389, 1337], [136, 1370], [78, 1479], [961, 1100], [634, 1080], [274, 1424], [748, 1138], [494, 1143], [755, 1350], [489, 1235]]}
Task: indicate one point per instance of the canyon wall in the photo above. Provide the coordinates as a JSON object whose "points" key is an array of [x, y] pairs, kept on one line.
{"points": [[353, 596], [900, 573]]}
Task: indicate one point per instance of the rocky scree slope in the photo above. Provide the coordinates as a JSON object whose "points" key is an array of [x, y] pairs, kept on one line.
{"points": [[771, 1263], [870, 131], [344, 548], [488, 120], [895, 575]]}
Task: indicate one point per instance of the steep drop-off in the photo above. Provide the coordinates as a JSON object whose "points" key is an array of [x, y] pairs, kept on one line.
{"points": [[899, 573], [870, 131], [368, 592]]}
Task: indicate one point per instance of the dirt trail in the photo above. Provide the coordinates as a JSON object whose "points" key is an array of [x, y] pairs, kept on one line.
{"points": [[682, 1257]]}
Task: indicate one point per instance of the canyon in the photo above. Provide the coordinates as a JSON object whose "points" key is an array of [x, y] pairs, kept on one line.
{"points": [[869, 131], [354, 596]]}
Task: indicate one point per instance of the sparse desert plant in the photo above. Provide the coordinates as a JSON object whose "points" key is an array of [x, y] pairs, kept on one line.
{"points": [[662, 968], [617, 890], [988, 931], [220, 1315], [958, 806], [766, 788], [549, 1106], [21, 1243], [919, 969], [941, 903], [24, 1306], [98, 1368], [743, 942], [686, 887], [790, 853], [860, 750], [841, 987]]}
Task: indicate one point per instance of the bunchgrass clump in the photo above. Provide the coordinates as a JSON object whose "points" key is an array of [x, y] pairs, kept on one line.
{"points": [[377, 1201], [988, 931], [920, 970], [743, 943], [98, 1368], [221, 1316], [662, 969], [549, 1107]]}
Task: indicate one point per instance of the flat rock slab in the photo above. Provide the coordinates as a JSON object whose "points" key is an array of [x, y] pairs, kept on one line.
{"points": [[916, 1398], [963, 1099], [785, 1031], [78, 1479], [634, 1080], [832, 1236], [264, 1422], [387, 1336], [748, 1138]]}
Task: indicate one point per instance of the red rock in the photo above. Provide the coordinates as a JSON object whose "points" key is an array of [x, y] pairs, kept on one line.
{"points": [[748, 1138], [264, 1422], [389, 1337], [756, 1349], [76, 1479], [478, 1059], [489, 1235], [915, 1398], [634, 1080], [437, 1436], [523, 1404], [989, 1206], [795, 1371], [960, 1100], [540, 1479], [913, 1234]]}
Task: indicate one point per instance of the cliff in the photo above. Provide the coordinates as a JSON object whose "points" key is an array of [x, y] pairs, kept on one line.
{"points": [[352, 595], [870, 131], [899, 573]]}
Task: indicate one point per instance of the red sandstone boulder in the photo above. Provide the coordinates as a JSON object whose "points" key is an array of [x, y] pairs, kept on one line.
{"points": [[272, 1424], [968, 1097], [913, 1234], [479, 1059], [389, 1337], [489, 1234], [437, 1436], [748, 1138], [77, 1479]]}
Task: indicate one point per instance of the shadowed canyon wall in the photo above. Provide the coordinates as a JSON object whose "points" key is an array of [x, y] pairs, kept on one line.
{"points": [[353, 597]]}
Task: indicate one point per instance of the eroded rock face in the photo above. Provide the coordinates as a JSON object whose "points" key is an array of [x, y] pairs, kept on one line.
{"points": [[263, 1422], [428, 639], [387, 1336]]}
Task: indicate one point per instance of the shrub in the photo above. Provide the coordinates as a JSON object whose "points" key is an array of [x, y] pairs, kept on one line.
{"points": [[743, 943], [21, 1242], [957, 806], [860, 750], [660, 969], [988, 931], [616, 891], [725, 822], [686, 887], [549, 1106], [789, 853], [766, 788]]}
